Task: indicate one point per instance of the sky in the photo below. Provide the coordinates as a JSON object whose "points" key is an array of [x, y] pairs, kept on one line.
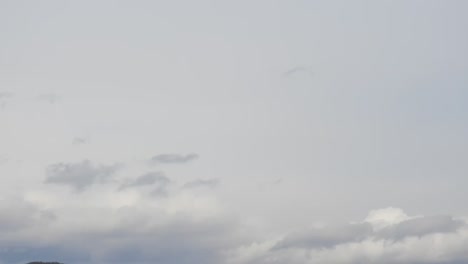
{"points": [[234, 132]]}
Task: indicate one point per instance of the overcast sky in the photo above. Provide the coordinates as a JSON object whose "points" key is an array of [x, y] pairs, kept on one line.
{"points": [[234, 132]]}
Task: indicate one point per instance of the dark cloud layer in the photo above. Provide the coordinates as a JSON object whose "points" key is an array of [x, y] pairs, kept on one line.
{"points": [[81, 175], [142, 234], [179, 239]]}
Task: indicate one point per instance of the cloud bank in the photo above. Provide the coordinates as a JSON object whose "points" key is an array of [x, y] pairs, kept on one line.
{"points": [[151, 232]]}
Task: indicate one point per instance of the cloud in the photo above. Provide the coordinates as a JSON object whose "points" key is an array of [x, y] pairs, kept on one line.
{"points": [[79, 176], [157, 179], [4, 97], [399, 227], [210, 183], [326, 237], [181, 240], [404, 239], [421, 226], [79, 141], [17, 214], [296, 70], [161, 233], [385, 217], [173, 158], [136, 233]]}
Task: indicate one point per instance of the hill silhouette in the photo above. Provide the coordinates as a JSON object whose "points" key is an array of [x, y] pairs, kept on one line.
{"points": [[41, 262]]}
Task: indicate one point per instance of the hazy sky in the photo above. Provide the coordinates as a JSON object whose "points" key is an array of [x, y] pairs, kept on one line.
{"points": [[234, 132]]}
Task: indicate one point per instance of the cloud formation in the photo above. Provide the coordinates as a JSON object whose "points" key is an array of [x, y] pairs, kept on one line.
{"points": [[169, 231], [79, 141], [326, 237], [156, 179], [81, 175], [357, 232], [171, 158], [17, 214], [5, 95], [297, 70], [420, 226], [392, 239], [155, 232]]}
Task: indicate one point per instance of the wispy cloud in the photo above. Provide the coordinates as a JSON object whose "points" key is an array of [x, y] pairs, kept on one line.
{"points": [[171, 158], [297, 70], [209, 183], [79, 141], [147, 179]]}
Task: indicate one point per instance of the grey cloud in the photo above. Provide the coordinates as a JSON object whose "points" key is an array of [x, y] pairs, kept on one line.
{"points": [[79, 141], [210, 183], [137, 236], [5, 95], [16, 214], [181, 240], [435, 239], [160, 191], [79, 175], [421, 226], [332, 236], [151, 178], [326, 237], [171, 158], [297, 70]]}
